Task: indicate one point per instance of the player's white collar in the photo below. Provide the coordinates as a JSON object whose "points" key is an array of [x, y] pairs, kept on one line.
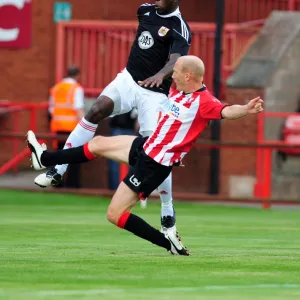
{"points": [[174, 13]]}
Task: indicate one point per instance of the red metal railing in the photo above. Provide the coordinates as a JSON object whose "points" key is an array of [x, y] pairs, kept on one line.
{"points": [[264, 148], [247, 10], [15, 109], [101, 48], [263, 187]]}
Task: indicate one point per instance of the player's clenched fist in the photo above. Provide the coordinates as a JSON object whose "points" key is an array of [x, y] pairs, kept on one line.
{"points": [[255, 106]]}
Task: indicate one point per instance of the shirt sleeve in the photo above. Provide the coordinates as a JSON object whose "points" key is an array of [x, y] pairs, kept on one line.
{"points": [[79, 98], [144, 8], [211, 109], [181, 38]]}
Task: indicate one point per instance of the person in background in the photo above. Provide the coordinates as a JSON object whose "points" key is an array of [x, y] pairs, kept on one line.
{"points": [[125, 124], [66, 108]]}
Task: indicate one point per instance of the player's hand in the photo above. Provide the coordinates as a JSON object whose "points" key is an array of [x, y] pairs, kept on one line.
{"points": [[255, 106], [153, 81]]}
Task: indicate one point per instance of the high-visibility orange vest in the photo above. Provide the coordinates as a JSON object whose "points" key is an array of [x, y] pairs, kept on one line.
{"points": [[64, 116]]}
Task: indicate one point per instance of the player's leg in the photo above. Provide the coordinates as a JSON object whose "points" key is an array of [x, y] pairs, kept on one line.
{"points": [[119, 214], [168, 217], [110, 102], [125, 149], [83, 132], [143, 177], [115, 148], [151, 104]]}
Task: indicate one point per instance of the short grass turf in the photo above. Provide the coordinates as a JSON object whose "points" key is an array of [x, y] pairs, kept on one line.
{"points": [[62, 247]]}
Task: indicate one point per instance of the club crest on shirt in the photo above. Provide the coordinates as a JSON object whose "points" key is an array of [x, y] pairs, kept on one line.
{"points": [[190, 99], [163, 31]]}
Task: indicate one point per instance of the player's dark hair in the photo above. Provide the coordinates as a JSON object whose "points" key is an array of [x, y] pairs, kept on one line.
{"points": [[73, 71]]}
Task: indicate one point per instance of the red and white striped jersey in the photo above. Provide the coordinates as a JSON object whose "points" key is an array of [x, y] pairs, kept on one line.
{"points": [[180, 125]]}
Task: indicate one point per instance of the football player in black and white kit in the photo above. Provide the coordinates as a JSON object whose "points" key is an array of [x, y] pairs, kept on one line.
{"points": [[162, 37]]}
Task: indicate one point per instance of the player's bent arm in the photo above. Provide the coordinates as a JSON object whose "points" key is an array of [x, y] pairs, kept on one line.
{"points": [[164, 73], [236, 111], [167, 70]]}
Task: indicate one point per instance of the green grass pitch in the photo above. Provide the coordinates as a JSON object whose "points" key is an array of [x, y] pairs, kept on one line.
{"points": [[62, 247]]}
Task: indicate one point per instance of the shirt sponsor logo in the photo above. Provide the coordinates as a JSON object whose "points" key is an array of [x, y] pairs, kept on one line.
{"points": [[172, 109], [134, 181], [175, 111], [146, 40]]}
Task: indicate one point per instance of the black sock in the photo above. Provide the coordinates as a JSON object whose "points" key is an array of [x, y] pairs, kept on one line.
{"points": [[66, 156], [142, 229]]}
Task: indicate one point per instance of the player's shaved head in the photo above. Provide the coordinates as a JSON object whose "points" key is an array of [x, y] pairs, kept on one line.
{"points": [[192, 64], [188, 73]]}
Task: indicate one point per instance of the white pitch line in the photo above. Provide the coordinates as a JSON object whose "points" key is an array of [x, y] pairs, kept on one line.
{"points": [[154, 290]]}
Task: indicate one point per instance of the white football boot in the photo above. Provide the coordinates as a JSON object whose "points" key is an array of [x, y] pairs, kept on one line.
{"points": [[50, 178], [177, 247], [36, 150]]}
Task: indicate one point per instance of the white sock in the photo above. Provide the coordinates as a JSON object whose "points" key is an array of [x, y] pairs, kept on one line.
{"points": [[165, 193], [83, 133]]}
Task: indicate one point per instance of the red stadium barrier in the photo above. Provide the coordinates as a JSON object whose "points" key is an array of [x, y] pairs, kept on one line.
{"points": [[101, 48], [263, 187], [247, 10], [15, 109], [264, 181]]}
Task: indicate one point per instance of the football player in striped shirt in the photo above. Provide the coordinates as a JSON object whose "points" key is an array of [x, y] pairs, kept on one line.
{"points": [[190, 109]]}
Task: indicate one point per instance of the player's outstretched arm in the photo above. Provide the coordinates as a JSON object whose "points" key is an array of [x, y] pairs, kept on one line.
{"points": [[236, 111]]}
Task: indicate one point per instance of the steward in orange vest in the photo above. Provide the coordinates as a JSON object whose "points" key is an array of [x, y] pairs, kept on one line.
{"points": [[66, 103]]}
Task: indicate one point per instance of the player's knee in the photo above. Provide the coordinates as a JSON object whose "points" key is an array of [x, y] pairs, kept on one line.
{"points": [[101, 109], [96, 145], [112, 215]]}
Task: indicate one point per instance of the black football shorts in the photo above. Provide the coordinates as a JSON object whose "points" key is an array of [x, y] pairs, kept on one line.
{"points": [[144, 174]]}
